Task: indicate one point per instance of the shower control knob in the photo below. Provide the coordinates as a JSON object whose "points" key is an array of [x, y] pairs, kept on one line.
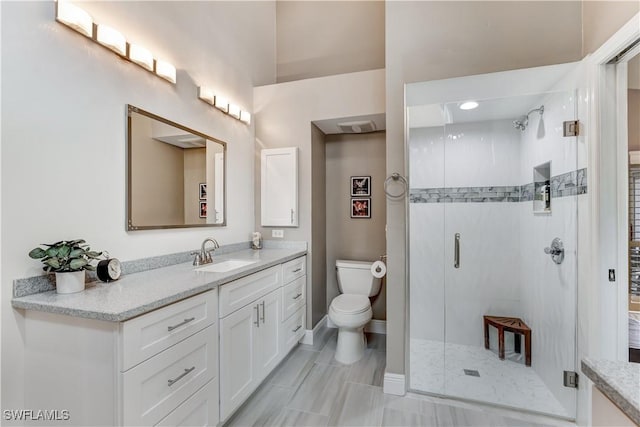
{"points": [[556, 250]]}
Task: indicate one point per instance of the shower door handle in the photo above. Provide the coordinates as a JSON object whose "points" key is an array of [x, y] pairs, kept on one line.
{"points": [[456, 251]]}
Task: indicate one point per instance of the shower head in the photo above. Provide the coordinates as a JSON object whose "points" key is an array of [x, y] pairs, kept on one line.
{"points": [[523, 121]]}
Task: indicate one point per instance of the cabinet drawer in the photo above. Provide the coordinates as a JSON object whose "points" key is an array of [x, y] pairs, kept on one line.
{"points": [[149, 334], [154, 388], [201, 409], [293, 297], [293, 269], [237, 294], [293, 330]]}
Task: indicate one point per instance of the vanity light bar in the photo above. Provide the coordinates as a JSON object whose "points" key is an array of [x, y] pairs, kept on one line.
{"points": [[166, 71], [234, 111], [141, 56], [245, 117], [75, 18], [112, 39], [79, 20], [221, 103], [206, 95]]}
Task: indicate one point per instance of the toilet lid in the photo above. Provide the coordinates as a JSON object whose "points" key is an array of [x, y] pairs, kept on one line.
{"points": [[348, 303]]}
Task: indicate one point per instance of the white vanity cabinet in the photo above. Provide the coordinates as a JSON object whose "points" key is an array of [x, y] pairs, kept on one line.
{"points": [[191, 362], [249, 336], [158, 368], [279, 187]]}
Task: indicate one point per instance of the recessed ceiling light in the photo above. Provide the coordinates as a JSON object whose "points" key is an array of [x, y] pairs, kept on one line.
{"points": [[469, 105]]}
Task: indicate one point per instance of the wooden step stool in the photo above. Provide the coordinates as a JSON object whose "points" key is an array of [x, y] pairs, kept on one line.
{"points": [[511, 324]]}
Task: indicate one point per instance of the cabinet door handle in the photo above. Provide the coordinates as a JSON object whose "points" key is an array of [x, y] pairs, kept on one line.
{"points": [[181, 376], [262, 312], [258, 315], [297, 296], [171, 328], [297, 269], [291, 216], [297, 329]]}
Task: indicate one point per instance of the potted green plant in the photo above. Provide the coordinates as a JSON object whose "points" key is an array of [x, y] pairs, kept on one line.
{"points": [[68, 259]]}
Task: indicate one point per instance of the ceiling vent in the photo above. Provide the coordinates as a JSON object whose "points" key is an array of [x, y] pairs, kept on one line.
{"points": [[363, 126]]}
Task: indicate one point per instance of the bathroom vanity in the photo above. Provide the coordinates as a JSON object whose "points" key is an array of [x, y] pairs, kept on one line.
{"points": [[169, 346]]}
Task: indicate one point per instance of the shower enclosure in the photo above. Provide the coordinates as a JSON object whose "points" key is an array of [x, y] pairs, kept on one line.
{"points": [[491, 187]]}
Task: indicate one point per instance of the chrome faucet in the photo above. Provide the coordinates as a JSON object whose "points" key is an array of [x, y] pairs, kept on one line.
{"points": [[204, 255]]}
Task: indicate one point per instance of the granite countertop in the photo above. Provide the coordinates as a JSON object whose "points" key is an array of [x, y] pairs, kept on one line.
{"points": [[619, 381], [138, 293]]}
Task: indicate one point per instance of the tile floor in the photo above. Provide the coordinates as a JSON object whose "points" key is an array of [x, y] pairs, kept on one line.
{"points": [[310, 388], [438, 368]]}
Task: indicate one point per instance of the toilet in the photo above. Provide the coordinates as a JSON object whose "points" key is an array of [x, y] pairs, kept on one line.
{"points": [[351, 310]]}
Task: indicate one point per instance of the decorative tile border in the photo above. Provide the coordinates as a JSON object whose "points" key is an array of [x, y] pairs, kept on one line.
{"points": [[568, 184]]}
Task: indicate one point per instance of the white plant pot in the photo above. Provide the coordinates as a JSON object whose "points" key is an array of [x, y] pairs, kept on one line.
{"points": [[69, 282]]}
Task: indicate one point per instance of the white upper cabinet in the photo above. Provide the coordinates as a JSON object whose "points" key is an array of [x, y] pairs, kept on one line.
{"points": [[279, 187]]}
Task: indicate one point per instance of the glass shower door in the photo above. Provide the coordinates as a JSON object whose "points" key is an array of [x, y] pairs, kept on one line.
{"points": [[491, 189]]}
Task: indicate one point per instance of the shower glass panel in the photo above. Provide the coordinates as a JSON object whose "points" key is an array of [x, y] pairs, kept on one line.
{"points": [[477, 248]]}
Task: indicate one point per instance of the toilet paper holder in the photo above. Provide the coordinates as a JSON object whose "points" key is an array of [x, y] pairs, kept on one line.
{"points": [[378, 268]]}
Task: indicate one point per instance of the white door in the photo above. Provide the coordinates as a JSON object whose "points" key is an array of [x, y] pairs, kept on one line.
{"points": [[269, 353], [279, 187], [238, 376]]}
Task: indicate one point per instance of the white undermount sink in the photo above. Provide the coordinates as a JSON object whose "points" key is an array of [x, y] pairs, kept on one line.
{"points": [[224, 266]]}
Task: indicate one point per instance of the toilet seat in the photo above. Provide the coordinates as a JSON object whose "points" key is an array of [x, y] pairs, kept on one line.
{"points": [[350, 304]]}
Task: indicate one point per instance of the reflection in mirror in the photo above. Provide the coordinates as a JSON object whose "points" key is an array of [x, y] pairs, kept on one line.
{"points": [[176, 176]]}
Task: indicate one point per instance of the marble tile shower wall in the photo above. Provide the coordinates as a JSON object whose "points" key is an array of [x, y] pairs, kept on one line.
{"points": [[568, 184]]}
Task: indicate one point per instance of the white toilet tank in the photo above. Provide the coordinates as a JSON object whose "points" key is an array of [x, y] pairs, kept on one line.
{"points": [[354, 277]]}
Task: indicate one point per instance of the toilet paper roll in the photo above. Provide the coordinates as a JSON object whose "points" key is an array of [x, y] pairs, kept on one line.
{"points": [[378, 269]]}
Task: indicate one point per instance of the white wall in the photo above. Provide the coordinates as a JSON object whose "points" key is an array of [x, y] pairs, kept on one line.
{"points": [[64, 127], [283, 115], [322, 38], [549, 291]]}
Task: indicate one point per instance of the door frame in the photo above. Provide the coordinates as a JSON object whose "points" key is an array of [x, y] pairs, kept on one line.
{"points": [[608, 187]]}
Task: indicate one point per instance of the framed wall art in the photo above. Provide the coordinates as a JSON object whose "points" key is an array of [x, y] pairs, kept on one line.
{"points": [[361, 208], [360, 186], [203, 190]]}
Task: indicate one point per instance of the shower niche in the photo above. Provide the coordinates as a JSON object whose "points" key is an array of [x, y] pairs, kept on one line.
{"points": [[542, 188]]}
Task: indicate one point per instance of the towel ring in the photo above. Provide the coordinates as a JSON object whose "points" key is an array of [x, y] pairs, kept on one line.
{"points": [[396, 177]]}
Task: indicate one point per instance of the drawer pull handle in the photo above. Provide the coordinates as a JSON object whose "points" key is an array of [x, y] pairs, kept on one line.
{"points": [[262, 304], [297, 269], [298, 296], [297, 329], [181, 376], [171, 328]]}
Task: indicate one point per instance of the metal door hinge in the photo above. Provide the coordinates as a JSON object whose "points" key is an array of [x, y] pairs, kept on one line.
{"points": [[571, 379], [612, 275], [571, 128]]}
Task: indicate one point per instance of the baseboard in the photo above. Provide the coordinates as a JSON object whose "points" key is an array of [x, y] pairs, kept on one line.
{"points": [[394, 384], [311, 333], [374, 326]]}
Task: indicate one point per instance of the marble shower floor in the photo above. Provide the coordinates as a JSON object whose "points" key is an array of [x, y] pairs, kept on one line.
{"points": [[310, 388], [505, 383]]}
